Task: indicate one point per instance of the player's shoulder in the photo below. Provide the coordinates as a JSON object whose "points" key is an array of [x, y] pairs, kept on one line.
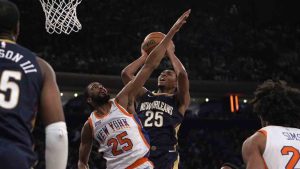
{"points": [[253, 138], [47, 72], [24, 49], [255, 141], [45, 66]]}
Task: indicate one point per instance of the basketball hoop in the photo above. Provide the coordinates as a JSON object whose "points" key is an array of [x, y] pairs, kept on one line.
{"points": [[61, 16]]}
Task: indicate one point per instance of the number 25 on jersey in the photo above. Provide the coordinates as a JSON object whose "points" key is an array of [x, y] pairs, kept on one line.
{"points": [[154, 119], [122, 141]]}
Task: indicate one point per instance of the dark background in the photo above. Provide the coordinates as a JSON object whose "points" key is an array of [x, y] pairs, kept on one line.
{"points": [[249, 40]]}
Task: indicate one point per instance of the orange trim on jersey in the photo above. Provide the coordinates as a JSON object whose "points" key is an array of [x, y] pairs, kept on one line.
{"points": [[264, 132], [139, 126], [99, 116], [141, 133], [266, 167], [138, 163], [90, 121], [123, 110]]}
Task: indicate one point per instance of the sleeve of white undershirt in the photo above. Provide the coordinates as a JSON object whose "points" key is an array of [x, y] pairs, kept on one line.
{"points": [[56, 153]]}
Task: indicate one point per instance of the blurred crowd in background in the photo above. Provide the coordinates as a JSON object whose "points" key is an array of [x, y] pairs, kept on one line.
{"points": [[224, 40], [251, 40]]}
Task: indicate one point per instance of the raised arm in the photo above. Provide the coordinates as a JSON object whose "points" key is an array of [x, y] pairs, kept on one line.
{"points": [[50, 104], [252, 151], [129, 92], [183, 86], [56, 153], [85, 146], [129, 71]]}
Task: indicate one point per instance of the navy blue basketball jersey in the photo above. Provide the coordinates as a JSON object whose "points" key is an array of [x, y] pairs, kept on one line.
{"points": [[160, 117], [20, 87]]}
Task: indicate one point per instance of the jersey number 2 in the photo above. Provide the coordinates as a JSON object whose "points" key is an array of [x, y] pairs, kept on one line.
{"points": [[295, 157], [122, 141], [8, 85]]}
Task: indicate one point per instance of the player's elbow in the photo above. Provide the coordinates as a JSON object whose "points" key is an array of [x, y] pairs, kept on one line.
{"points": [[187, 101], [183, 76], [125, 74]]}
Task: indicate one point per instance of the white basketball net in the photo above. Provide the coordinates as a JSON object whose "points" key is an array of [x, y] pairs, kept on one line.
{"points": [[61, 16]]}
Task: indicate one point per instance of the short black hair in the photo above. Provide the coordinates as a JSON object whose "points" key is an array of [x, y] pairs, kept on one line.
{"points": [[277, 103], [9, 16]]}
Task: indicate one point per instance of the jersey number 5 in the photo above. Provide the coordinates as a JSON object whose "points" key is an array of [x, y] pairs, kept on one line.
{"points": [[8, 85], [295, 157], [122, 141]]}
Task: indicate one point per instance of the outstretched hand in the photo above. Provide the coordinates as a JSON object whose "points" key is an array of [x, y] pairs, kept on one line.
{"points": [[180, 21]]}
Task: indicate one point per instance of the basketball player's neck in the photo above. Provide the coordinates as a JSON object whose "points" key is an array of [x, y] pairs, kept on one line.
{"points": [[163, 89], [7, 36], [104, 109]]}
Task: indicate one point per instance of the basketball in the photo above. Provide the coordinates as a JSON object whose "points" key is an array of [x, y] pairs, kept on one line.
{"points": [[152, 40]]}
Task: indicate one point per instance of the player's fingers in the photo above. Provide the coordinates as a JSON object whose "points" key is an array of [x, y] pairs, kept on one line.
{"points": [[187, 13], [184, 18]]}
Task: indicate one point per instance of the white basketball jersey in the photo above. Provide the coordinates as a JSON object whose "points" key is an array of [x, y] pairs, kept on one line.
{"points": [[282, 147], [120, 137]]}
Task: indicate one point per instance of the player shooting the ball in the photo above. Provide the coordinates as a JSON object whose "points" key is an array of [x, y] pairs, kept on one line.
{"points": [[161, 112], [123, 147]]}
